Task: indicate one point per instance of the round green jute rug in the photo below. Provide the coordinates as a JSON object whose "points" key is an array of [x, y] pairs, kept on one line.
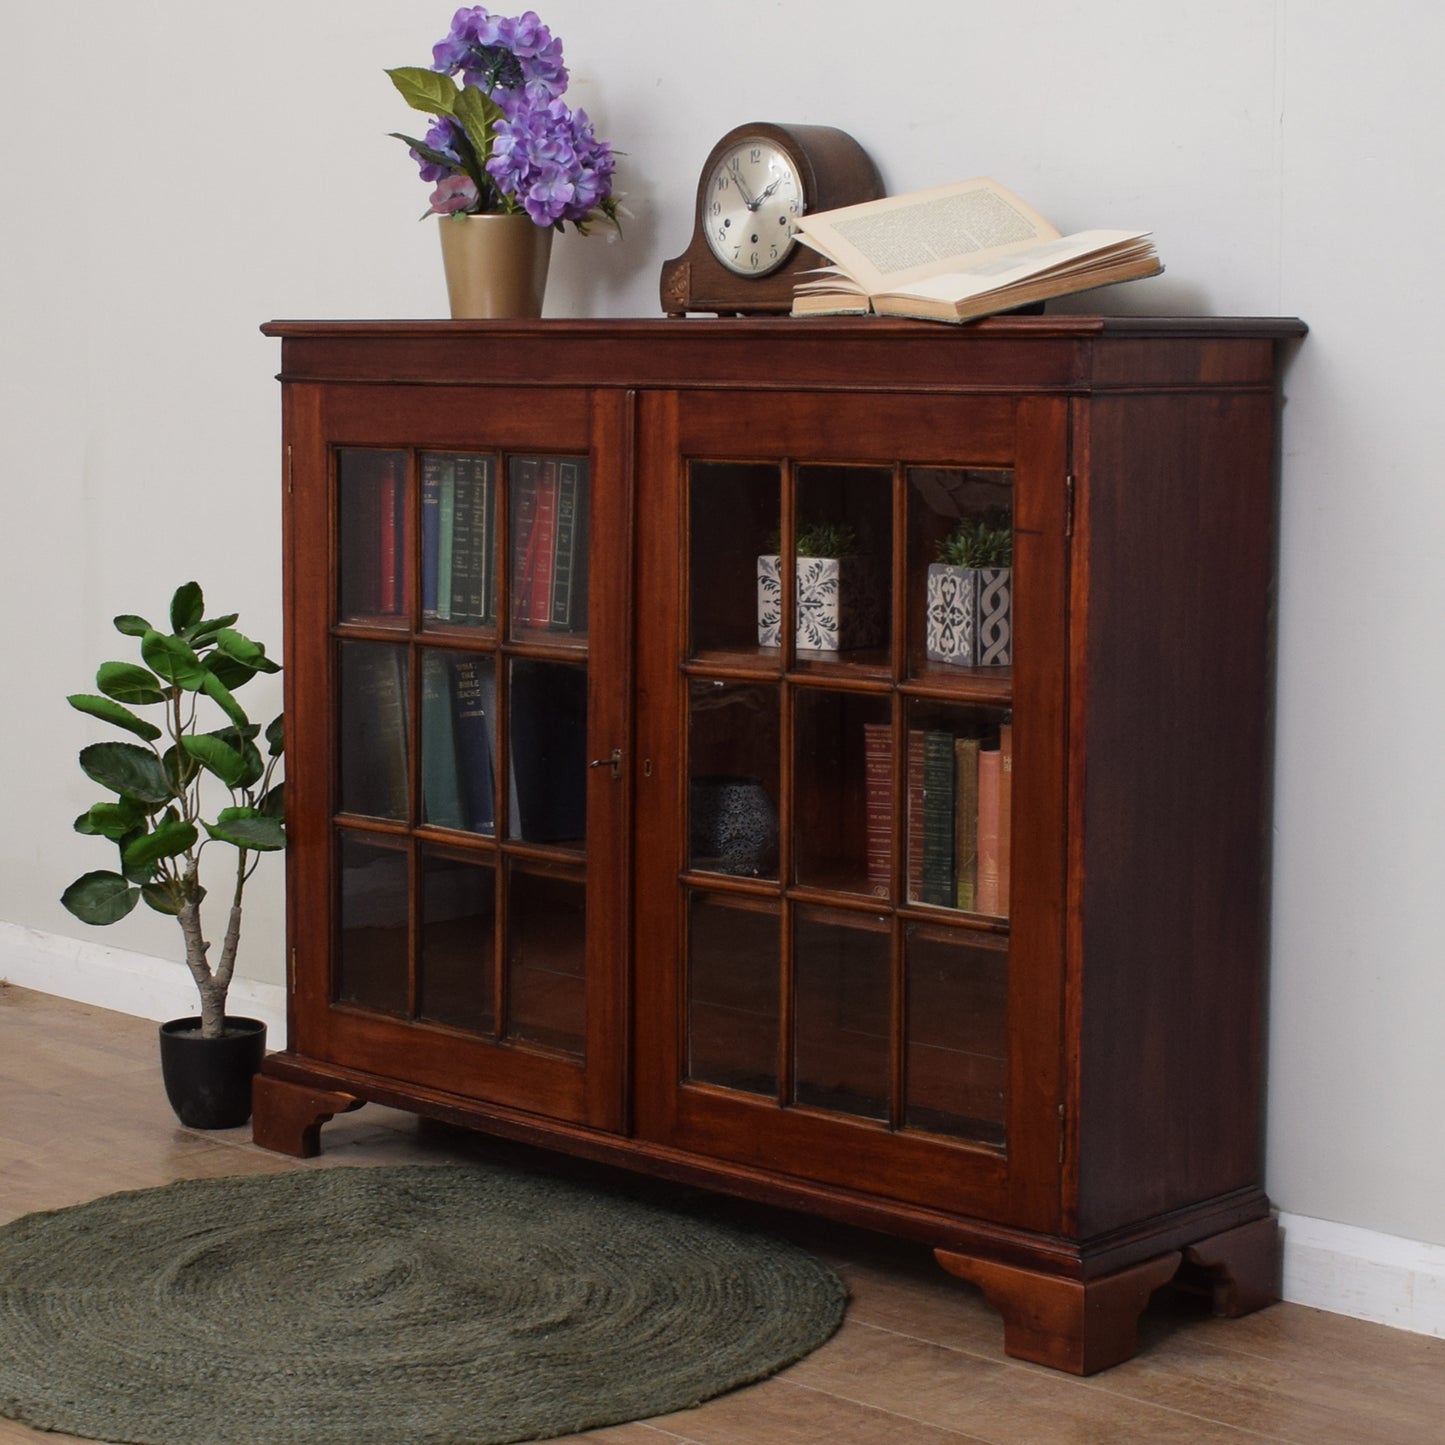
{"points": [[412, 1305]]}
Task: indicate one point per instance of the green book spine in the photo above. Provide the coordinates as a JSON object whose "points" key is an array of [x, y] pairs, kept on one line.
{"points": [[939, 884], [965, 820], [441, 795], [446, 531]]}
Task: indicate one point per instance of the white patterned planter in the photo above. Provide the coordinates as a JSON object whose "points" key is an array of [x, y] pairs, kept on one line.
{"points": [[837, 603], [970, 615]]}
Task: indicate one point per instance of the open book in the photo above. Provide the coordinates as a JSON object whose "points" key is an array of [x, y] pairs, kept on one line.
{"points": [[954, 253]]}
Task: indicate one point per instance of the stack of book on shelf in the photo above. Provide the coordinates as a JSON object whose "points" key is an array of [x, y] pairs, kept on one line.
{"points": [[549, 551], [955, 253], [458, 522], [458, 708], [374, 536], [959, 816]]}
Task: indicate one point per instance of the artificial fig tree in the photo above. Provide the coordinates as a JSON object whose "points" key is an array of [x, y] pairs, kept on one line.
{"points": [[159, 813]]}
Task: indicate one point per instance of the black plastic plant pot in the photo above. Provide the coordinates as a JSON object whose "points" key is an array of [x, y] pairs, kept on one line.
{"points": [[208, 1081]]}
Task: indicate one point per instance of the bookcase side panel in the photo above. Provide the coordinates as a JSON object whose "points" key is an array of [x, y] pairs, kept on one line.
{"points": [[1176, 677]]}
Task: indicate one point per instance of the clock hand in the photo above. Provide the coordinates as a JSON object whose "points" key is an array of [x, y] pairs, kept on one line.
{"points": [[748, 200], [771, 187]]}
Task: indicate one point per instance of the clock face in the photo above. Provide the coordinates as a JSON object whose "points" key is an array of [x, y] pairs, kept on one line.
{"points": [[752, 199]]}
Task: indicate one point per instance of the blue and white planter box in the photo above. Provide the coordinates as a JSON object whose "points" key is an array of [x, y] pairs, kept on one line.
{"points": [[837, 603], [970, 615]]}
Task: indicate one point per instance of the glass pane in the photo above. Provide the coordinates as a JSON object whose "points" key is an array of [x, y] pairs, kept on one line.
{"points": [[372, 728], [371, 957], [841, 1013], [546, 938], [960, 546], [842, 534], [843, 792], [548, 741], [458, 530], [732, 510], [957, 1033], [960, 782], [548, 497], [456, 984], [733, 734], [734, 964], [371, 534], [458, 740]]}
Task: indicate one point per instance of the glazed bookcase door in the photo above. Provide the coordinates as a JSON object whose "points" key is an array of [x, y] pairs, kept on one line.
{"points": [[857, 848], [456, 865]]}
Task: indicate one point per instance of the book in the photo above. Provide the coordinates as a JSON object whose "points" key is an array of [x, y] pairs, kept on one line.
{"points": [[878, 806], [441, 799], [1005, 810], [915, 815], [955, 253], [568, 603], [990, 779], [472, 740], [940, 885], [965, 822], [373, 730], [431, 512]]}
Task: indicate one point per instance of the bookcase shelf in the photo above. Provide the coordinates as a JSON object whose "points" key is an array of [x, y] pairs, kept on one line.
{"points": [[626, 831]]}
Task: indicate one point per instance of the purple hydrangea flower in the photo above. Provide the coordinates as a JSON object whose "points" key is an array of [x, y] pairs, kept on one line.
{"points": [[541, 156]]}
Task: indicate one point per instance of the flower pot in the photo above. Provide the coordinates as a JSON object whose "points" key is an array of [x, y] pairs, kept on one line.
{"points": [[496, 266], [732, 825], [969, 615], [837, 603], [208, 1081]]}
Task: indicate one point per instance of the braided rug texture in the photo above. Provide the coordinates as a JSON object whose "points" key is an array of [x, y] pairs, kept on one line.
{"points": [[411, 1305]]}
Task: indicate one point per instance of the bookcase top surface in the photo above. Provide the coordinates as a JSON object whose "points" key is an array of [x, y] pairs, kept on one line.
{"points": [[1066, 353]]}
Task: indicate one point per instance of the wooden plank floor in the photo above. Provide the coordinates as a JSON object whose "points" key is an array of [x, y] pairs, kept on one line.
{"points": [[919, 1360]]}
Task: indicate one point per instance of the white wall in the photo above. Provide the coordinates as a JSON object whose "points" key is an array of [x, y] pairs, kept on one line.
{"points": [[172, 181]]}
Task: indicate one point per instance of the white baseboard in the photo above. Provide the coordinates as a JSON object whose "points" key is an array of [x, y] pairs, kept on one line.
{"points": [[1336, 1267], [129, 983], [1364, 1274]]}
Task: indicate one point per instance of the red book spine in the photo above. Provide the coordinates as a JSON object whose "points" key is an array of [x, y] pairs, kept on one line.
{"points": [[915, 815], [878, 806]]}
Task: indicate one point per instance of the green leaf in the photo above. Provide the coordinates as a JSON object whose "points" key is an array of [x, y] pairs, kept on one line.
{"points": [[231, 674], [100, 898], [108, 710], [426, 152], [166, 840], [220, 694], [478, 113], [131, 625], [424, 89], [126, 682], [127, 769], [203, 634], [236, 645], [276, 736], [219, 758], [173, 660], [273, 805], [187, 607], [248, 828], [158, 895], [112, 820]]}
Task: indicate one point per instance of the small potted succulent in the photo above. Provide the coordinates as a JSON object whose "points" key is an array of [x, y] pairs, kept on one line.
{"points": [[970, 594], [503, 145], [161, 783], [837, 602]]}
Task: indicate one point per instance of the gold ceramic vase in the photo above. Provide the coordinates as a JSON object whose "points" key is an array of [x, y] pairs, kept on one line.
{"points": [[496, 266]]}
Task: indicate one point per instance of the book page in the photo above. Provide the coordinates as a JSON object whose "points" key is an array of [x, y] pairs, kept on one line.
{"points": [[1080, 254], [891, 242]]}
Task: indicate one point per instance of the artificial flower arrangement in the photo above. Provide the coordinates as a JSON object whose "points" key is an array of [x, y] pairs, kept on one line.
{"points": [[503, 141]]}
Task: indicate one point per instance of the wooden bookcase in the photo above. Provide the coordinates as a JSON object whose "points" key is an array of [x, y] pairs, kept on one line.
{"points": [[577, 859]]}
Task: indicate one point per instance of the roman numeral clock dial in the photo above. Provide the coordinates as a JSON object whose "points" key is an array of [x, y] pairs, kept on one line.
{"points": [[756, 183]]}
